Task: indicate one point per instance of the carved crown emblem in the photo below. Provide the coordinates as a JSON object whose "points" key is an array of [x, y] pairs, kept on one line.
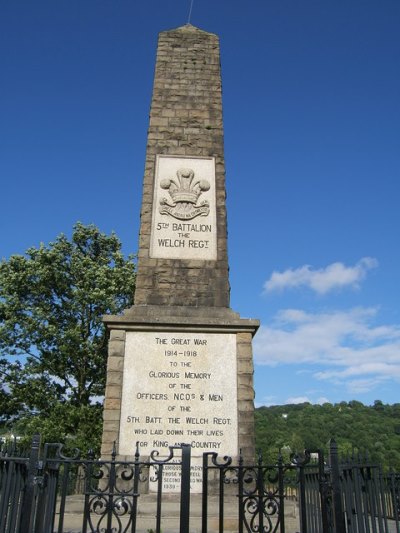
{"points": [[184, 191]]}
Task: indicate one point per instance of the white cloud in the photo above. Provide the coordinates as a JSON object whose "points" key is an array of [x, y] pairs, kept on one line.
{"points": [[298, 399], [346, 345], [266, 400], [323, 280], [322, 400], [305, 399]]}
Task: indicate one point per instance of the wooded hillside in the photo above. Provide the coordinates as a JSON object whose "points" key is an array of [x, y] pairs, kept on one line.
{"points": [[354, 426]]}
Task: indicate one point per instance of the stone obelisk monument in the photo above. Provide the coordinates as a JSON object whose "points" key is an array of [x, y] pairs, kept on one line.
{"points": [[180, 366]]}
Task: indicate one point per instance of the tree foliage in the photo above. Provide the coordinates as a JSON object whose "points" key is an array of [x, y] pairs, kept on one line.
{"points": [[355, 427], [52, 340]]}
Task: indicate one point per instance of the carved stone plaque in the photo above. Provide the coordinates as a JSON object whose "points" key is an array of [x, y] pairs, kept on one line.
{"points": [[184, 213], [179, 387]]}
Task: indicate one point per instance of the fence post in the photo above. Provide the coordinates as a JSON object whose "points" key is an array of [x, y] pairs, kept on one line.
{"points": [[185, 489], [323, 491], [338, 515], [28, 507], [302, 489], [281, 489]]}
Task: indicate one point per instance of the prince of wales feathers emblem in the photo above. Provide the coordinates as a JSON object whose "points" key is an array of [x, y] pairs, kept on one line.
{"points": [[184, 191]]}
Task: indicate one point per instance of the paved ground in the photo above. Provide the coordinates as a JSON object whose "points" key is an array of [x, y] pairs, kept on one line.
{"points": [[146, 517], [146, 520]]}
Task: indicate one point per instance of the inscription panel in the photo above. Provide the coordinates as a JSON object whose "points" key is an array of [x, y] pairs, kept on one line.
{"points": [[179, 388], [184, 212]]}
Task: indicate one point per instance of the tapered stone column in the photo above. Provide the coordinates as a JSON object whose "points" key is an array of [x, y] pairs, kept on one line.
{"points": [[180, 363]]}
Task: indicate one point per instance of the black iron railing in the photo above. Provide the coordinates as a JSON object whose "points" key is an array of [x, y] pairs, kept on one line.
{"points": [[46, 491], [260, 489]]}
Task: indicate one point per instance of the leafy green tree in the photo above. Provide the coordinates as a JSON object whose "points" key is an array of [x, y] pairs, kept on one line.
{"points": [[356, 428], [52, 338]]}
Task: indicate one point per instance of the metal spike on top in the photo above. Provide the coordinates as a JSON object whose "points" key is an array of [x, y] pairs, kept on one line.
{"points": [[137, 453], [260, 458], [114, 451], [190, 11]]}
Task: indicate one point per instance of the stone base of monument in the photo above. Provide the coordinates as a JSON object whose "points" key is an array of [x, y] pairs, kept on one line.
{"points": [[146, 515], [179, 375]]}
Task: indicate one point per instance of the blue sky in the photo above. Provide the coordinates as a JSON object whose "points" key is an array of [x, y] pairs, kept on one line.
{"points": [[311, 113]]}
